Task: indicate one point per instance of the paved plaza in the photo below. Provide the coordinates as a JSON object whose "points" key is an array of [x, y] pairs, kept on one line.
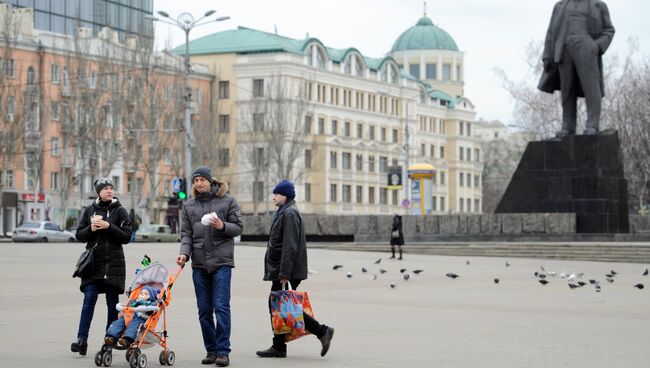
{"points": [[428, 321]]}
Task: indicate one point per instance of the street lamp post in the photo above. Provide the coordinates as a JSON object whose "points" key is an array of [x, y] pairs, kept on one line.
{"points": [[405, 169], [186, 22]]}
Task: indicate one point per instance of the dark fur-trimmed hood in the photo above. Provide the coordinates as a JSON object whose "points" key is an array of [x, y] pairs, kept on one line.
{"points": [[222, 188]]}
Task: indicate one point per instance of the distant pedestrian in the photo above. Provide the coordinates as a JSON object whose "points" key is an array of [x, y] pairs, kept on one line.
{"points": [[285, 262], [396, 236], [135, 223], [104, 225]]}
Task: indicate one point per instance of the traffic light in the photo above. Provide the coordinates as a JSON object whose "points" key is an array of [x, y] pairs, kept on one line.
{"points": [[182, 191]]}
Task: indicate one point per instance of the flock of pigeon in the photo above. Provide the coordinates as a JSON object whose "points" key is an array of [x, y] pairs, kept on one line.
{"points": [[544, 276]]}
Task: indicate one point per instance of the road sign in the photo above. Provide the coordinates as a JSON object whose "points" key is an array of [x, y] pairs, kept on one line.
{"points": [[176, 182]]}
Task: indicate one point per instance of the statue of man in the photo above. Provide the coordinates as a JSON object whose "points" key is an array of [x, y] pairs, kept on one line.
{"points": [[579, 34]]}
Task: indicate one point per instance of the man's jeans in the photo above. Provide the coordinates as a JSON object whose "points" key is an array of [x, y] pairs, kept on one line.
{"points": [[130, 331], [91, 292], [213, 298]]}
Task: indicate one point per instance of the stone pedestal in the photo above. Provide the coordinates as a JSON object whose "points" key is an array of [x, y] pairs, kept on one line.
{"points": [[580, 174]]}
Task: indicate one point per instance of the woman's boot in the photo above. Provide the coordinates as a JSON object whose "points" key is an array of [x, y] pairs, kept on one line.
{"points": [[80, 346]]}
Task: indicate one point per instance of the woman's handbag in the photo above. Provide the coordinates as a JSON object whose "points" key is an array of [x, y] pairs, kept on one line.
{"points": [[287, 313], [395, 234], [85, 262]]}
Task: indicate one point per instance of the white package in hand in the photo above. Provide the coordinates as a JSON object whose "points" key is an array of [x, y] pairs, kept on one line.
{"points": [[208, 217]]}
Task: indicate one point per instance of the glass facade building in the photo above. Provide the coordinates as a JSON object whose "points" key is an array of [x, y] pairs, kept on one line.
{"points": [[65, 16]]}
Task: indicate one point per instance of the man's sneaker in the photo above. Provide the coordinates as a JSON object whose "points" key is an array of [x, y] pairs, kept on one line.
{"points": [[222, 361], [80, 346], [325, 340], [271, 353], [209, 359]]}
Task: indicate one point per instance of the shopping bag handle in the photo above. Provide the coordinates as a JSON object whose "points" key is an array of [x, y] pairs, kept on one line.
{"points": [[284, 286]]}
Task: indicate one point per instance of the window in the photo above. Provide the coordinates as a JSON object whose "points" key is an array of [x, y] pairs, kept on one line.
{"points": [[129, 184], [346, 161], [395, 198], [383, 134], [321, 125], [461, 179], [224, 89], [54, 146], [258, 122], [359, 194], [116, 183], [9, 178], [347, 129], [92, 82], [9, 71], [461, 128], [54, 180], [347, 193], [446, 72], [333, 160], [371, 163], [307, 192], [383, 196], [259, 158], [258, 87], [30, 75], [461, 154], [55, 74], [414, 70], [224, 123], [307, 159], [477, 153], [55, 110], [442, 178], [468, 204], [371, 195], [383, 164], [258, 191], [442, 204], [469, 129], [423, 149], [431, 71], [360, 131], [476, 181], [461, 205], [66, 76], [332, 192], [469, 180], [432, 151], [395, 136], [224, 157], [442, 152], [371, 133], [334, 127], [477, 206], [359, 163], [10, 108], [308, 119]]}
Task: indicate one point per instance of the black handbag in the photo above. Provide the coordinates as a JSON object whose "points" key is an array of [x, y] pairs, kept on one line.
{"points": [[85, 263]]}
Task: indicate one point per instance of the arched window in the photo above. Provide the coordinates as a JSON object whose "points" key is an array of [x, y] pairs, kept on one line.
{"points": [[30, 75], [317, 57]]}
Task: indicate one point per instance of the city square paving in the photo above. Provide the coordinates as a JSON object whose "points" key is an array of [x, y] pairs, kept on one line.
{"points": [[428, 321]]}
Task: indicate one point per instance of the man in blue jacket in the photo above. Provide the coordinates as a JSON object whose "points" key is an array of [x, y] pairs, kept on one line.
{"points": [[286, 262]]}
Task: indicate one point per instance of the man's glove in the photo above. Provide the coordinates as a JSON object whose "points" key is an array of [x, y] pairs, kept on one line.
{"points": [[548, 65]]}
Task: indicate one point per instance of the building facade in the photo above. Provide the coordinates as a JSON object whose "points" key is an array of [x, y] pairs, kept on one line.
{"points": [[333, 120]]}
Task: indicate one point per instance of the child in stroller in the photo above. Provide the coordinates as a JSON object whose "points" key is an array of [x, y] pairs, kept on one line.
{"points": [[135, 329]]}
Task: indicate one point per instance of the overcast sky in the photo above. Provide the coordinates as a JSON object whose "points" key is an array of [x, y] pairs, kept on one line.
{"points": [[491, 33]]}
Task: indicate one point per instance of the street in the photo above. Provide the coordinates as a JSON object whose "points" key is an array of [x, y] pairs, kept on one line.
{"points": [[428, 321]]}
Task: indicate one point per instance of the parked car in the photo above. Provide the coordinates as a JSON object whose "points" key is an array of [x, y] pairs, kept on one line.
{"points": [[41, 231], [156, 233]]}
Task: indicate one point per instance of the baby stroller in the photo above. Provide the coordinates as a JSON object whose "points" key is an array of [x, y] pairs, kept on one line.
{"points": [[157, 276]]}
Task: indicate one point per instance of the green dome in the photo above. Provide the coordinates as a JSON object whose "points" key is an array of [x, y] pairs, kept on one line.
{"points": [[424, 35]]}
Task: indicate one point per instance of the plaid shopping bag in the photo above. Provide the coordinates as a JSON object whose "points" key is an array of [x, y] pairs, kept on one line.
{"points": [[287, 313]]}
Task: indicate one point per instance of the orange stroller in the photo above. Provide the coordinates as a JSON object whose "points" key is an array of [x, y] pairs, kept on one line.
{"points": [[157, 276]]}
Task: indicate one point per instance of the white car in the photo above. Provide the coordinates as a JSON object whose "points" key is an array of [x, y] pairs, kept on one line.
{"points": [[41, 231]]}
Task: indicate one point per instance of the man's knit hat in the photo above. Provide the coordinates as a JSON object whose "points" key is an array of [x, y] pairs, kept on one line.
{"points": [[101, 183], [202, 171], [286, 188]]}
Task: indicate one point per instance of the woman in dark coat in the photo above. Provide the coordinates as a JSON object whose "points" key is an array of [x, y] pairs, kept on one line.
{"points": [[105, 225], [396, 236]]}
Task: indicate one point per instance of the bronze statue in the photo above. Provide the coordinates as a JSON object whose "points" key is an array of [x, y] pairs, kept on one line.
{"points": [[579, 34]]}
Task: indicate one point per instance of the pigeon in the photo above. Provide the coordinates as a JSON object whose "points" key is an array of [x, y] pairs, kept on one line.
{"points": [[451, 275], [573, 286], [582, 283], [417, 272], [543, 282], [552, 273], [542, 268], [609, 279], [364, 270], [374, 277], [592, 281], [349, 275], [402, 270], [312, 271], [392, 285], [536, 274], [609, 275], [646, 272], [496, 280], [639, 286], [597, 288], [572, 277], [336, 267], [406, 277], [507, 264], [467, 263], [378, 261], [580, 274], [613, 272], [382, 270], [542, 276]]}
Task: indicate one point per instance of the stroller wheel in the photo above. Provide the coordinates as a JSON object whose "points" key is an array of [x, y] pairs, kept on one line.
{"points": [[99, 359], [142, 361], [128, 355], [107, 359], [162, 358], [133, 358], [171, 358]]}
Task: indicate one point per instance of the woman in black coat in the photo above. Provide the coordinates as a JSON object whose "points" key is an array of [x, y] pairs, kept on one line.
{"points": [[396, 236], [104, 226]]}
